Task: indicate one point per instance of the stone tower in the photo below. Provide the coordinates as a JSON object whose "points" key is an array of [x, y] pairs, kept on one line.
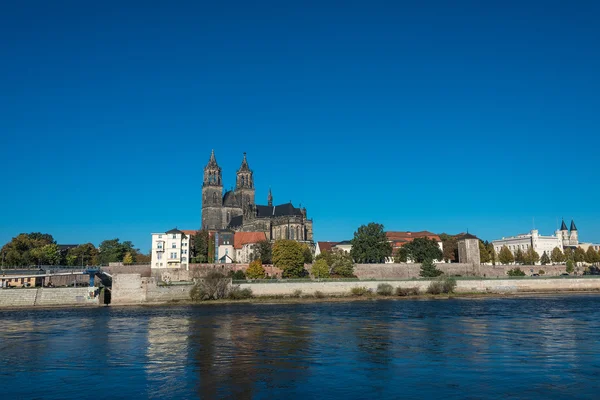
{"points": [[245, 183], [468, 251], [270, 199], [212, 195], [573, 236], [563, 234]]}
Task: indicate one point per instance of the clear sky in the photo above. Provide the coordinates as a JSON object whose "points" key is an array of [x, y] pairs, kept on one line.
{"points": [[425, 115]]}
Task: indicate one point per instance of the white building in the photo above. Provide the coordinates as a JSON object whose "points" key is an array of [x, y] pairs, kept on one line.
{"points": [[529, 240], [170, 250]]}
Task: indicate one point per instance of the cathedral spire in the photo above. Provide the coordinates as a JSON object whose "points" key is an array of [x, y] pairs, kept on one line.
{"points": [[270, 198], [212, 172], [244, 167], [573, 227], [212, 162], [563, 227]]}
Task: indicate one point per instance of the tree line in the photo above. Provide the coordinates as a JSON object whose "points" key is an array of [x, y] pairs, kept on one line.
{"points": [[29, 249], [569, 256]]}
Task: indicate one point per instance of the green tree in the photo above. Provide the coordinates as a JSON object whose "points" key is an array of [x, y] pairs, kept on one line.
{"points": [[428, 269], [370, 244], [591, 256], [263, 251], [342, 265], [307, 252], [201, 240], [579, 255], [531, 256], [492, 253], [519, 257], [484, 252], [327, 256], [401, 255], [422, 249], [255, 270], [557, 255], [85, 254], [23, 250], [450, 245], [289, 257], [568, 252], [570, 268], [545, 259], [505, 256], [515, 272], [320, 269], [114, 251]]}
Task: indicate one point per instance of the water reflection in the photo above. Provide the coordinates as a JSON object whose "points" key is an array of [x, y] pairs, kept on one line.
{"points": [[522, 348]]}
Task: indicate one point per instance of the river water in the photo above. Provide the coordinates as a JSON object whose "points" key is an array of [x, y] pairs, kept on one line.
{"points": [[545, 347]]}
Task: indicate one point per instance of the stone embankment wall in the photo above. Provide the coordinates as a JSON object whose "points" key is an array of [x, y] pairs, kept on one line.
{"points": [[135, 289], [48, 297]]}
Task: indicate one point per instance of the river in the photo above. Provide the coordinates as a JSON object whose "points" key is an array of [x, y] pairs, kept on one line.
{"points": [[536, 347]]}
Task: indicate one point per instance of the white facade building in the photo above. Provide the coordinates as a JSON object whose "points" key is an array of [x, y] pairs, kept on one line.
{"points": [[529, 240], [170, 250]]}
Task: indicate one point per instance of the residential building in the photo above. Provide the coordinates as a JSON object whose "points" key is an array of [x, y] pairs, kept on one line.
{"points": [[321, 247], [400, 238], [170, 249], [345, 245], [243, 243]]}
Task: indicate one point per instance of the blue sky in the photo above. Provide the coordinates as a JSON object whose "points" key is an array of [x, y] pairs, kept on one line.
{"points": [[429, 115]]}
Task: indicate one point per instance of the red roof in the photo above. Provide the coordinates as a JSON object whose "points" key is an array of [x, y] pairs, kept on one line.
{"points": [[242, 238], [326, 246], [399, 239], [189, 232]]}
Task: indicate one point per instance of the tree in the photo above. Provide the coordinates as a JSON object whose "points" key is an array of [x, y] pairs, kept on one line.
{"points": [[519, 257], [128, 258], [401, 255], [201, 240], [289, 257], [255, 270], [568, 253], [591, 256], [515, 272], [18, 252], [570, 268], [422, 249], [531, 256], [484, 252], [428, 269], [370, 244], [557, 255], [342, 265], [320, 269], [46, 255], [85, 254], [327, 256], [114, 251], [579, 255], [545, 259], [307, 252], [505, 256], [492, 253], [263, 251], [450, 245]]}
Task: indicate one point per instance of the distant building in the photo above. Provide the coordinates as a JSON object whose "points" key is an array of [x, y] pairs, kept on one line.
{"points": [[399, 239], [345, 246], [170, 249], [243, 244], [468, 249], [529, 240], [321, 247]]}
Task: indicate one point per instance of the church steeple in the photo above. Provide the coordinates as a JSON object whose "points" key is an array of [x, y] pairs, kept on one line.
{"points": [[212, 195], [212, 172], [244, 176], [573, 227], [270, 198], [563, 227]]}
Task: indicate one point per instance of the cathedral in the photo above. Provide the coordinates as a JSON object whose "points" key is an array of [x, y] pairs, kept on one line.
{"points": [[236, 210]]}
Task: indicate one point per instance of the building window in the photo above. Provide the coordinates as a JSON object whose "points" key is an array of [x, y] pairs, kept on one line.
{"points": [[173, 256], [184, 251], [183, 259], [161, 264], [159, 256], [174, 236], [174, 245], [160, 236]]}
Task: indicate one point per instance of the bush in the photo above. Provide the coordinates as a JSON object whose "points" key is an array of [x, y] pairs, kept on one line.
{"points": [[240, 294], [319, 295], [413, 291], [515, 272], [429, 270], [542, 272], [238, 275], [255, 270], [297, 293], [385, 289], [440, 286], [213, 286], [360, 291], [320, 269]]}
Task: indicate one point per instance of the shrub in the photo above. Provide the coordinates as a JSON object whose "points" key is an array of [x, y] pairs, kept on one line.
{"points": [[414, 291], [239, 294], [515, 272], [359, 291], [297, 293], [429, 270], [435, 287], [385, 289], [213, 286], [439, 286], [542, 272], [255, 270], [238, 275], [319, 294], [400, 291], [320, 269]]}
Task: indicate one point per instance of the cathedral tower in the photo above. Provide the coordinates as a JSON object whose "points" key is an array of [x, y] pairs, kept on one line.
{"points": [[245, 183], [573, 236], [212, 195]]}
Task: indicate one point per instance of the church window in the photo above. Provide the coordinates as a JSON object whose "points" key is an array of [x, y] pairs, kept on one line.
{"points": [[292, 233], [215, 198]]}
